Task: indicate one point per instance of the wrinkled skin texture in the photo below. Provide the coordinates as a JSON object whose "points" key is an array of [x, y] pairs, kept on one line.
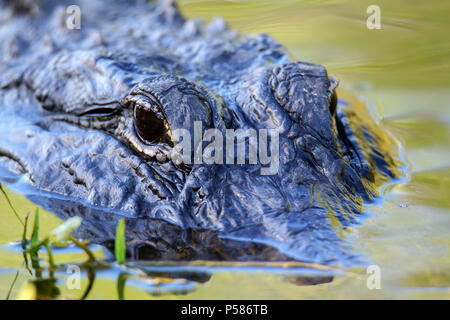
{"points": [[69, 137]]}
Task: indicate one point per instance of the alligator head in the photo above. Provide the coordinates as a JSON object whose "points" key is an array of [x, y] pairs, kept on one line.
{"points": [[89, 120]]}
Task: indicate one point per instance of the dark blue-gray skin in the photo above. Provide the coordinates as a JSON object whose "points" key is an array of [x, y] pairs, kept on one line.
{"points": [[86, 122]]}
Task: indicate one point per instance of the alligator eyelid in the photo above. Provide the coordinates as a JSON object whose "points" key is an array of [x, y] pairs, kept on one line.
{"points": [[150, 96], [105, 111], [154, 105], [140, 98]]}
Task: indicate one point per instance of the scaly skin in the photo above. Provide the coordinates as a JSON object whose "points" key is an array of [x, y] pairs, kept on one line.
{"points": [[69, 140]]}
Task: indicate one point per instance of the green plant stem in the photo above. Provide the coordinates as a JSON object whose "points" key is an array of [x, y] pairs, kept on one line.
{"points": [[84, 247], [51, 261], [12, 285], [10, 204]]}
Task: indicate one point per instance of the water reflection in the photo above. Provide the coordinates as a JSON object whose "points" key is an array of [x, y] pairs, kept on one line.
{"points": [[154, 278]]}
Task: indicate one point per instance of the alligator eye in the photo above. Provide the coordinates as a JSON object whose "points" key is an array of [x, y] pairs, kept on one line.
{"points": [[151, 125]]}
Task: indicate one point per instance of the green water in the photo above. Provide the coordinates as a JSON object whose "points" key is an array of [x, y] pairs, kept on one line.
{"points": [[402, 72]]}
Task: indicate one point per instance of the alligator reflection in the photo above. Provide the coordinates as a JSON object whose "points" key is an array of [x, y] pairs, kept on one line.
{"points": [[144, 236], [152, 266], [154, 277], [50, 281]]}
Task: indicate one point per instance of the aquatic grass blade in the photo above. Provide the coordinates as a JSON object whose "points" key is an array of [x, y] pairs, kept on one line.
{"points": [[121, 280], [120, 246], [25, 242], [24, 235], [12, 285], [35, 233], [10, 204]]}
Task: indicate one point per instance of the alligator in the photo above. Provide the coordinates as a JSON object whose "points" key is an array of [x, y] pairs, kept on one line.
{"points": [[89, 112]]}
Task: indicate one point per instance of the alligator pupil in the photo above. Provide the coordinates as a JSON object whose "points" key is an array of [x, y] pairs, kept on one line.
{"points": [[150, 127]]}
